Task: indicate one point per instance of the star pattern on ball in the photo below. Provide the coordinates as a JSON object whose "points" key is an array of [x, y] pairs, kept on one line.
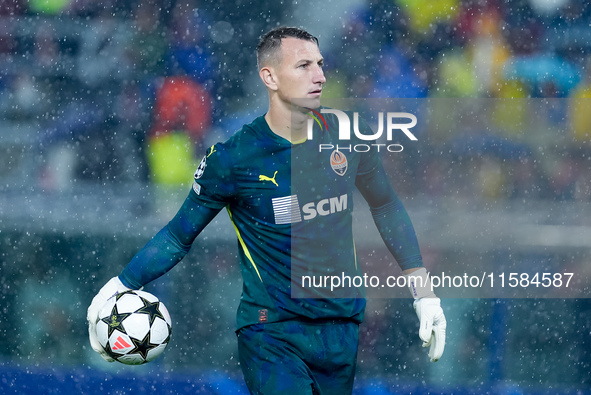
{"points": [[142, 347], [152, 309], [115, 320], [125, 347]]}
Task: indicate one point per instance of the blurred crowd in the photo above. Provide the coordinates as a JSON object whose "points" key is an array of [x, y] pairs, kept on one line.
{"points": [[527, 62], [133, 90], [119, 91]]}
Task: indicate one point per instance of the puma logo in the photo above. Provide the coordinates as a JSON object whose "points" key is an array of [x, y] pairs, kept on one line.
{"points": [[265, 178], [211, 150]]}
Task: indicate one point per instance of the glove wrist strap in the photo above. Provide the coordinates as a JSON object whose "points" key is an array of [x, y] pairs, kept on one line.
{"points": [[419, 284]]}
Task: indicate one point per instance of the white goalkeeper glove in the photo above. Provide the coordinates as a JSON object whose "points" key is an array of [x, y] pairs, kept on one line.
{"points": [[110, 289], [432, 323]]}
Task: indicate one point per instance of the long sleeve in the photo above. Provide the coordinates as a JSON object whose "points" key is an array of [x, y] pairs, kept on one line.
{"points": [[169, 245], [391, 218]]}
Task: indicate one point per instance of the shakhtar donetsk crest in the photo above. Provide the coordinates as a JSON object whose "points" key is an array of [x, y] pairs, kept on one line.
{"points": [[200, 168], [338, 162]]}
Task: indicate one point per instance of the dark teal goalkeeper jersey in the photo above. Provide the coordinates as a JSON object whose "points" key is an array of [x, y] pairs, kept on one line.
{"points": [[291, 206], [291, 210]]}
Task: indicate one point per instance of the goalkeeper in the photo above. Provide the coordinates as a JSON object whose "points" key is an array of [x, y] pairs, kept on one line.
{"points": [[284, 224]]}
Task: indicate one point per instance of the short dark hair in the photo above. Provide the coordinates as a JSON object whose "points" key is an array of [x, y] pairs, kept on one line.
{"points": [[270, 42]]}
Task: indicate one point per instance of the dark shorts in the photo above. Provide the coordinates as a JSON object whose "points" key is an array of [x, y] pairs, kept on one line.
{"points": [[299, 357]]}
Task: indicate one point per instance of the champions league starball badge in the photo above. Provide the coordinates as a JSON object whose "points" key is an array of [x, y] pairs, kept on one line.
{"points": [[200, 168]]}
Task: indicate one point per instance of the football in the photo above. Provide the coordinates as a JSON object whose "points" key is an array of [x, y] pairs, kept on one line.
{"points": [[134, 327]]}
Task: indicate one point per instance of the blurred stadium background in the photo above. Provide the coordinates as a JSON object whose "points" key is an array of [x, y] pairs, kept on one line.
{"points": [[89, 118]]}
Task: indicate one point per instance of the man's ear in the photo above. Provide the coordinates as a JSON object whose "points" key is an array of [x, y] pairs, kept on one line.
{"points": [[268, 76]]}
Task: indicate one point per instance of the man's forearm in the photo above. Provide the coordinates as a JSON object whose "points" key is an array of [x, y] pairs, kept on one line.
{"points": [[157, 257], [398, 234]]}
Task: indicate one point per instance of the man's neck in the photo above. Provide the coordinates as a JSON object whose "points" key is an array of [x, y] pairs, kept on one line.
{"points": [[291, 124]]}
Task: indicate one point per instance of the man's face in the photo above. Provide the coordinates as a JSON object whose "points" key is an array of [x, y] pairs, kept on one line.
{"points": [[299, 73]]}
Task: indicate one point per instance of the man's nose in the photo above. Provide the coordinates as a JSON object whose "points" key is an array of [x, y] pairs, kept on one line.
{"points": [[319, 76]]}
